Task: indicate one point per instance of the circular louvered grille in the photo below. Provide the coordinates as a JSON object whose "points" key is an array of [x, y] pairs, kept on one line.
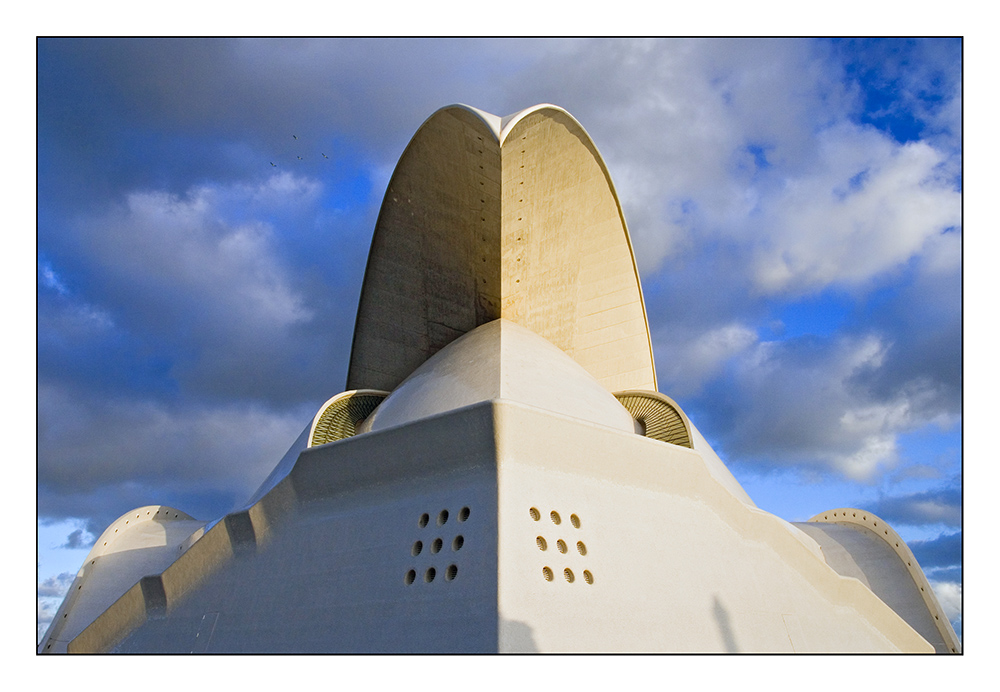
{"points": [[341, 416], [662, 420]]}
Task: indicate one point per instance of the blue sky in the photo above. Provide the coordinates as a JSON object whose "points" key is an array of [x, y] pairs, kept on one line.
{"points": [[795, 207]]}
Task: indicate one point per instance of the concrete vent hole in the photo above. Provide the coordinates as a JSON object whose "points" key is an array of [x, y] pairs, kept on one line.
{"points": [[463, 515], [451, 572], [568, 573], [430, 574], [581, 548], [457, 544], [547, 573], [542, 545], [574, 520], [436, 545], [554, 515], [442, 517], [417, 547], [561, 546], [410, 576], [588, 577], [424, 518], [535, 516]]}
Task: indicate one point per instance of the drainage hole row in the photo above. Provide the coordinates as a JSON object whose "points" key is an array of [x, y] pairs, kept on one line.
{"points": [[554, 516], [567, 575], [560, 545], [442, 517], [431, 574], [436, 545]]}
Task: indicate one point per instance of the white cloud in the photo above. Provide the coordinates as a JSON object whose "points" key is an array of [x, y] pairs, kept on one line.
{"points": [[204, 284], [50, 279], [754, 143], [686, 361], [868, 207], [949, 595], [176, 252]]}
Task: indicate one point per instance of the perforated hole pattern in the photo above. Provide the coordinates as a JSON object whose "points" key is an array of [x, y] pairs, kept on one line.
{"points": [[542, 544], [437, 545]]}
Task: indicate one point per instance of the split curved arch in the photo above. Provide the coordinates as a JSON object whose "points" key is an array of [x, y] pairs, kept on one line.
{"points": [[487, 217]]}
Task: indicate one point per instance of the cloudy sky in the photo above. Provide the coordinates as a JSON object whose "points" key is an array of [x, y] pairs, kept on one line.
{"points": [[205, 209]]}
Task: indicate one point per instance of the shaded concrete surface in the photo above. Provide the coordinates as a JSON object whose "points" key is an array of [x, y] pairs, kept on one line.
{"points": [[721, 616]]}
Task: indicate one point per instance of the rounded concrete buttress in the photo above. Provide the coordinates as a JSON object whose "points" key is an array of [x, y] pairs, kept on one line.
{"points": [[531, 230]]}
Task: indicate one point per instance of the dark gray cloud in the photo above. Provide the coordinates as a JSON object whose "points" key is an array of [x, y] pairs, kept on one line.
{"points": [[79, 539], [922, 323], [940, 506], [99, 457], [943, 551], [795, 403], [218, 108]]}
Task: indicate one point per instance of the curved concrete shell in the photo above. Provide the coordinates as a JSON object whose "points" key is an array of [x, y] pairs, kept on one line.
{"points": [[138, 544], [522, 223], [859, 544]]}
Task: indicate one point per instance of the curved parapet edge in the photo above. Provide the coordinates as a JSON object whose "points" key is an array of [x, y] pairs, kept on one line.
{"points": [[340, 416], [494, 122], [879, 527], [66, 623], [508, 122]]}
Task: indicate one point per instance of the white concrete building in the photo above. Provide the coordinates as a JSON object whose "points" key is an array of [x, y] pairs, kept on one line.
{"points": [[501, 475]]}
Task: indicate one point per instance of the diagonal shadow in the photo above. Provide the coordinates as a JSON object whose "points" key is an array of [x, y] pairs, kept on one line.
{"points": [[721, 616]]}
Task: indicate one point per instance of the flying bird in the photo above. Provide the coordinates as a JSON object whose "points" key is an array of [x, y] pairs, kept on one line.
{"points": [[294, 137], [299, 158], [273, 164], [324, 155]]}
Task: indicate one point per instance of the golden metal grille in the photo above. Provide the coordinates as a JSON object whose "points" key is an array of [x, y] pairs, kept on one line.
{"points": [[340, 416], [661, 416]]}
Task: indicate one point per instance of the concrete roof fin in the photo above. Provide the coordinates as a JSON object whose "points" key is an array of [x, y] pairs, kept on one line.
{"points": [[471, 230]]}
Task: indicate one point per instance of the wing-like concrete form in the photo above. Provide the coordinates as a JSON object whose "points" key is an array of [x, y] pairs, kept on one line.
{"points": [[522, 223], [858, 544], [501, 475]]}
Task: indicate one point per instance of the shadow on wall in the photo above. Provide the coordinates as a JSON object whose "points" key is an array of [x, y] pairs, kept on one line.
{"points": [[721, 616], [516, 638]]}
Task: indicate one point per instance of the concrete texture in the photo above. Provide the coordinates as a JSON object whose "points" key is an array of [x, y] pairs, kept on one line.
{"points": [[524, 224]]}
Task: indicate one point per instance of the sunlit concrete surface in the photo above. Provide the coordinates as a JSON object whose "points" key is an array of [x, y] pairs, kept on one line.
{"points": [[501, 474]]}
